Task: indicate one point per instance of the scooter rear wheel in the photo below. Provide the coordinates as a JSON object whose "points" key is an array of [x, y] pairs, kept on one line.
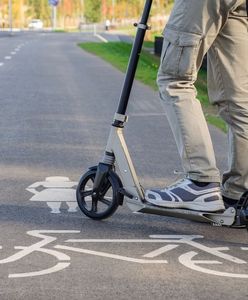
{"points": [[106, 202]]}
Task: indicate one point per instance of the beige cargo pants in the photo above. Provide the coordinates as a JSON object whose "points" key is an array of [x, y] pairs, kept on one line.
{"points": [[221, 28]]}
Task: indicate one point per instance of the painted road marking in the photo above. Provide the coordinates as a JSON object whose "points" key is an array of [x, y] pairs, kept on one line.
{"points": [[38, 246], [186, 259], [7, 57], [189, 240], [13, 53], [1, 64], [160, 251], [46, 239], [179, 239], [104, 254], [58, 267], [54, 191], [101, 38], [115, 241]]}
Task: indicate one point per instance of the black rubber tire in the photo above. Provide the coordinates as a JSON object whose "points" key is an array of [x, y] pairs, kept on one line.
{"points": [[112, 181]]}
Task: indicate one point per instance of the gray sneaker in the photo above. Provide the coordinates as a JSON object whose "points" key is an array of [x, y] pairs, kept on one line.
{"points": [[186, 194]]}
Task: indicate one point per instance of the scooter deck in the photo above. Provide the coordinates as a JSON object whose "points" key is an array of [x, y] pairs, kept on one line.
{"points": [[226, 218]]}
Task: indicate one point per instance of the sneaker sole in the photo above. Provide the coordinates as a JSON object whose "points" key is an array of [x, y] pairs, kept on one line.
{"points": [[214, 207]]}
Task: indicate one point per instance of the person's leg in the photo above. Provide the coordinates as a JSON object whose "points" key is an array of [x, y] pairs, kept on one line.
{"points": [[190, 31], [228, 88]]}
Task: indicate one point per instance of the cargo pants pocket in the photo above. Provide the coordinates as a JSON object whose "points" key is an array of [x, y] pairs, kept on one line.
{"points": [[179, 54]]}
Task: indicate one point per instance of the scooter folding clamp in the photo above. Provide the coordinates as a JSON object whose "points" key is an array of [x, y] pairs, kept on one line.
{"points": [[121, 118], [142, 26]]}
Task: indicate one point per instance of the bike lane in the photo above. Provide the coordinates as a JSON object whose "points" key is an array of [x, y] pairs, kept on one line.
{"points": [[49, 249], [139, 260]]}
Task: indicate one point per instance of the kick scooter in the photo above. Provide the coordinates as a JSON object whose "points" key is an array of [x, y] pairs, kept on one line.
{"points": [[100, 190]]}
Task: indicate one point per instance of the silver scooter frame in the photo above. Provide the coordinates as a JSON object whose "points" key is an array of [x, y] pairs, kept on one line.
{"points": [[134, 193]]}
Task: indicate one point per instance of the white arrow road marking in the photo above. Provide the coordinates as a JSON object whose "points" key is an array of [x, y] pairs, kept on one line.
{"points": [[114, 256], [186, 260], [56, 268]]}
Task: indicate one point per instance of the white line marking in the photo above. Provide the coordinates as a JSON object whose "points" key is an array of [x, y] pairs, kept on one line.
{"points": [[113, 241], [7, 57], [160, 251], [101, 38], [38, 246], [114, 256], [189, 241], [212, 262], [58, 255], [58, 267], [13, 52], [244, 248], [1, 64], [187, 261]]}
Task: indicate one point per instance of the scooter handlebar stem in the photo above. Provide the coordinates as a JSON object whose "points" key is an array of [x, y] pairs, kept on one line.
{"points": [[133, 61]]}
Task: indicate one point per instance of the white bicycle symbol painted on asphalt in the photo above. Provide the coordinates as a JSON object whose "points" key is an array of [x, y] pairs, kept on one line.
{"points": [[169, 242]]}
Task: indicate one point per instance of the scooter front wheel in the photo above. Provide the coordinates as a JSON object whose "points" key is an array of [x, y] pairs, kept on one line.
{"points": [[107, 200]]}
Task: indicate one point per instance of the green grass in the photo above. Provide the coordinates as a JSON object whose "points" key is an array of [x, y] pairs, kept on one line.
{"points": [[216, 121], [148, 44], [59, 30], [66, 30], [117, 54]]}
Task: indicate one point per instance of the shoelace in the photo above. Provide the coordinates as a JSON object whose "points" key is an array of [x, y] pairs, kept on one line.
{"points": [[175, 184], [178, 179]]}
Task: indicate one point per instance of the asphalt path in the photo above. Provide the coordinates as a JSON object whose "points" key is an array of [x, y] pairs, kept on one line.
{"points": [[57, 104]]}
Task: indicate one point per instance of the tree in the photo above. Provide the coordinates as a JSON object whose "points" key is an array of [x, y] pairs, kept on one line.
{"points": [[39, 9], [92, 10]]}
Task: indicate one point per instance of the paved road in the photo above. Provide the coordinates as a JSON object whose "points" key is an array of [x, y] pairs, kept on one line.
{"points": [[56, 106]]}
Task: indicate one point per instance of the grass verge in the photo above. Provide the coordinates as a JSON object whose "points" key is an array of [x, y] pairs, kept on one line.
{"points": [[117, 54]]}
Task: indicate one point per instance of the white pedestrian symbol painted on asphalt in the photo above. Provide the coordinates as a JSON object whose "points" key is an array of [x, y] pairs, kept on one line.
{"points": [[55, 191]]}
